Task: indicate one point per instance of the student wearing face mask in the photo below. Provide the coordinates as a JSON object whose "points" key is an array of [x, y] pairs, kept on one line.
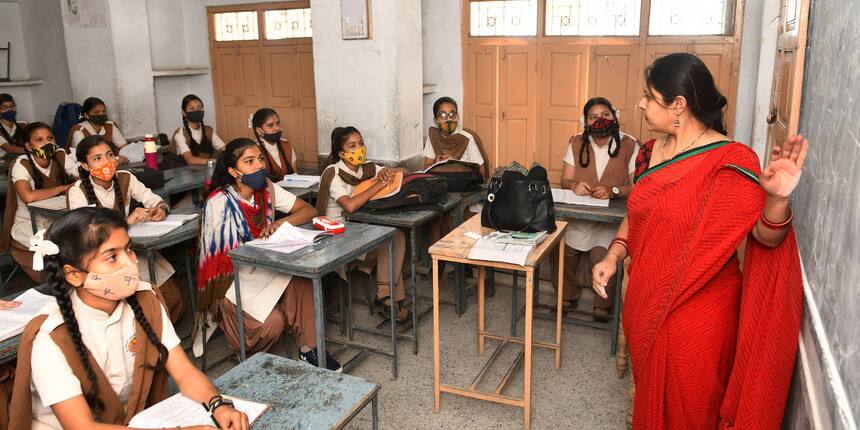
{"points": [[11, 130], [195, 142], [44, 171], [102, 352], [447, 140], [281, 158], [241, 207], [94, 120], [102, 185], [599, 163]]}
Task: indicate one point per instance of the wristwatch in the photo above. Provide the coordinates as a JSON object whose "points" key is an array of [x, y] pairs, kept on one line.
{"points": [[616, 191]]}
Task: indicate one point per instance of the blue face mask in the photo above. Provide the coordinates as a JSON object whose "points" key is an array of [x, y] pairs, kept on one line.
{"points": [[9, 115], [256, 180]]}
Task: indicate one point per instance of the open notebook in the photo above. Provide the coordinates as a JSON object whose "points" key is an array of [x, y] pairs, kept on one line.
{"points": [[13, 321], [179, 410], [299, 181], [160, 228], [567, 196], [288, 238]]}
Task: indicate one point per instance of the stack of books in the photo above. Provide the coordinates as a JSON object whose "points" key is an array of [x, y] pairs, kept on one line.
{"points": [[522, 238]]}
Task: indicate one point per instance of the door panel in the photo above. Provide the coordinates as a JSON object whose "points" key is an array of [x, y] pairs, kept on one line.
{"points": [[480, 96], [718, 58], [564, 86], [615, 77], [517, 99]]}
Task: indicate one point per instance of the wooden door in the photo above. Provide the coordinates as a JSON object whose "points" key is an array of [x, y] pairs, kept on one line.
{"points": [[236, 80], [718, 58], [614, 75], [480, 103], [787, 72], [517, 104], [563, 87]]}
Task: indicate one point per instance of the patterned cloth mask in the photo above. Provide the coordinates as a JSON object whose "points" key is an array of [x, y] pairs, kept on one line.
{"points": [[105, 172], [355, 157]]}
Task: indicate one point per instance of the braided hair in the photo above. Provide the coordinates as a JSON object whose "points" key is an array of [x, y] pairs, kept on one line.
{"points": [[205, 144], [257, 120], [78, 234], [37, 175], [81, 153], [221, 178], [584, 157]]}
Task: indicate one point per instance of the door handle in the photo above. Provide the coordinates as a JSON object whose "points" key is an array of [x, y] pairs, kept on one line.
{"points": [[503, 114], [772, 117]]}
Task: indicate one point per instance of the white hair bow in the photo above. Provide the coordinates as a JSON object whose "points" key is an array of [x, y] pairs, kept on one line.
{"points": [[41, 247], [250, 120]]}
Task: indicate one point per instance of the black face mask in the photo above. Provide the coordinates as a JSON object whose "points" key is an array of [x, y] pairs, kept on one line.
{"points": [[273, 137], [195, 116], [98, 119]]}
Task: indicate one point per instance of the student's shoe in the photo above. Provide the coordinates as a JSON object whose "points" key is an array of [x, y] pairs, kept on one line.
{"points": [[310, 357], [384, 309], [600, 314]]}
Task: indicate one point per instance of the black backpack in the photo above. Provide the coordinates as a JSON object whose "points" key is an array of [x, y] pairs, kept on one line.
{"points": [[460, 175], [418, 191]]}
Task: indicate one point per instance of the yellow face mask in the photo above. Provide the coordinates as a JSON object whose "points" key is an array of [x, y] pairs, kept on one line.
{"points": [[355, 157]]}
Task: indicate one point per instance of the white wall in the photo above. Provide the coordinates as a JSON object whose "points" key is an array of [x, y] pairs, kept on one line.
{"points": [[767, 57], [89, 49], [443, 53], [748, 75], [11, 31], [135, 93]]}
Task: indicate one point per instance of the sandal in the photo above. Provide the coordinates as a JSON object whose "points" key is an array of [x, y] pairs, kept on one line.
{"points": [[383, 306], [567, 306]]}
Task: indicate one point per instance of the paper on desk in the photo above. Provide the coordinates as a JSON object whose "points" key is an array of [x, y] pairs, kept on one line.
{"points": [[299, 181], [488, 248], [160, 228], [56, 203], [181, 411], [288, 238], [13, 321], [567, 196], [133, 151]]}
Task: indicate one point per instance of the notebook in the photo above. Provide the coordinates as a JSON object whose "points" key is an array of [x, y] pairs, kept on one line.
{"points": [[179, 410], [13, 321], [567, 196], [299, 181], [160, 228], [288, 238]]}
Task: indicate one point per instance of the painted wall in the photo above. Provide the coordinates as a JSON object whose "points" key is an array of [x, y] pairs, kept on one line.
{"points": [[748, 74], [767, 57], [11, 31], [442, 53]]}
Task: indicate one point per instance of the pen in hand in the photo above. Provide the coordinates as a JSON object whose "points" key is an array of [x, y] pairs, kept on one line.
{"points": [[218, 426]]}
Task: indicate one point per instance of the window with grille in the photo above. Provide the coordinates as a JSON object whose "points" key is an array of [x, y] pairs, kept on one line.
{"points": [[503, 18], [231, 26], [591, 18], [288, 24], [691, 17]]}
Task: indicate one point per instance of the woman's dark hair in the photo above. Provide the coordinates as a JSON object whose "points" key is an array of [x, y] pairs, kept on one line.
{"points": [[439, 102], [79, 234], [683, 74], [81, 153], [221, 178], [205, 145], [260, 117], [5, 97], [583, 151], [37, 175], [338, 138], [89, 104]]}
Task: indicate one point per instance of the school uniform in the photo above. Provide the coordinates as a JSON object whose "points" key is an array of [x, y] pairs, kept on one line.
{"points": [[84, 129], [339, 180], [179, 143], [17, 228], [50, 372], [276, 165], [132, 188], [587, 242], [11, 135]]}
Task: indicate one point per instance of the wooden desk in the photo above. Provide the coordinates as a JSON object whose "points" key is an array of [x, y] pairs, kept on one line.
{"points": [[304, 193], [455, 247], [299, 395]]}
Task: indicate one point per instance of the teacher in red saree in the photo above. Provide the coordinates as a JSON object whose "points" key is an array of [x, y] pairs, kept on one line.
{"points": [[711, 346]]}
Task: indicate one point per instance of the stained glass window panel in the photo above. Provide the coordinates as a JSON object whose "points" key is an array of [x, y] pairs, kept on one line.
{"points": [[230, 26], [592, 18], [288, 24], [690, 17], [504, 18]]}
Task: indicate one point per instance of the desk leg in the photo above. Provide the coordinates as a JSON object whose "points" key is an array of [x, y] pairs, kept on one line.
{"points": [[374, 410], [527, 366], [192, 293], [616, 310], [319, 316], [480, 310], [436, 391], [460, 280], [33, 220], [413, 242], [514, 304], [392, 302], [349, 306], [559, 303], [240, 317]]}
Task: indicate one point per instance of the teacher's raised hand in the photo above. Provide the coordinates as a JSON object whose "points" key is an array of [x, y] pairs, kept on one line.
{"points": [[782, 174]]}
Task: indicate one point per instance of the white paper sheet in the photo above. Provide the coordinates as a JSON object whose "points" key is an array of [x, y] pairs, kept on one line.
{"points": [[179, 410], [56, 203], [488, 248], [288, 238], [160, 228], [13, 321], [133, 151], [299, 181], [567, 196]]}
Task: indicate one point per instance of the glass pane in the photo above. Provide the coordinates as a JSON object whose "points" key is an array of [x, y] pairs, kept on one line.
{"points": [[236, 26], [288, 24], [590, 18], [690, 17], [504, 18]]}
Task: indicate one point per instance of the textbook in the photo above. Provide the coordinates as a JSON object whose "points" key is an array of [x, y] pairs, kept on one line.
{"points": [[13, 321], [181, 411], [159, 228], [490, 248], [288, 238], [523, 238]]}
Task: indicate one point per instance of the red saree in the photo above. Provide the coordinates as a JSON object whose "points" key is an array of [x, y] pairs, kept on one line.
{"points": [[710, 347]]}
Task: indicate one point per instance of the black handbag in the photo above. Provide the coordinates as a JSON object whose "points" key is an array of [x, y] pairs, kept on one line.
{"points": [[519, 202]]}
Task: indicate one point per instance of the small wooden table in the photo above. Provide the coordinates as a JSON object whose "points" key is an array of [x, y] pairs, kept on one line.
{"points": [[300, 396], [455, 248]]}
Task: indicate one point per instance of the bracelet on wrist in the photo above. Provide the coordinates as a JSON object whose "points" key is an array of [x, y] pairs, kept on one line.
{"points": [[774, 225]]}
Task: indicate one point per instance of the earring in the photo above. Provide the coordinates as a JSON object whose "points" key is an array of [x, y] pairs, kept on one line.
{"points": [[677, 122]]}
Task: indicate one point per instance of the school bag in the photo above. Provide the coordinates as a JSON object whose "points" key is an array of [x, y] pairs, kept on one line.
{"points": [[418, 191], [461, 176], [67, 115]]}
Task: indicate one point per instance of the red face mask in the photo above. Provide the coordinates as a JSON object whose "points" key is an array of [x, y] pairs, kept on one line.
{"points": [[105, 172], [602, 127]]}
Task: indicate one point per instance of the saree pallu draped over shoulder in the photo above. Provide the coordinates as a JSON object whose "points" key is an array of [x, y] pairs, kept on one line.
{"points": [[710, 347]]}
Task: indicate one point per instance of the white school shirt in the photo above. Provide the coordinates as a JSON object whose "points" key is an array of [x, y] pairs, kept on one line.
{"points": [[261, 288], [584, 235], [110, 338], [275, 154], [136, 190], [472, 154], [22, 229], [116, 136], [197, 135], [340, 188], [11, 132]]}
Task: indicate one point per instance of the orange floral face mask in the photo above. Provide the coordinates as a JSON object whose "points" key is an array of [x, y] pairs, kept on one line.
{"points": [[105, 172]]}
